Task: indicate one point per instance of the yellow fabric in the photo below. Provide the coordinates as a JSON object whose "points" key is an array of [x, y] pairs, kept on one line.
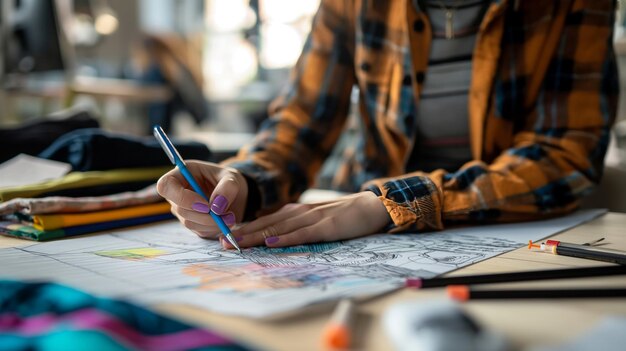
{"points": [[51, 222], [77, 180]]}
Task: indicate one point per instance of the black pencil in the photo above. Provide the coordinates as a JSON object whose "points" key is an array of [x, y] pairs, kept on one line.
{"points": [[590, 252], [464, 293], [421, 283]]}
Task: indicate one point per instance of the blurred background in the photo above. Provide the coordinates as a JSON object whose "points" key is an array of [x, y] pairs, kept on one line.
{"points": [[200, 68], [203, 69]]}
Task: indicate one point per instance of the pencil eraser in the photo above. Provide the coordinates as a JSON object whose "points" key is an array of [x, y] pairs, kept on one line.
{"points": [[459, 292], [414, 283], [552, 243]]}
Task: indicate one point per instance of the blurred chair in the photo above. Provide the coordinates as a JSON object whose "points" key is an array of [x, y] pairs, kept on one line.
{"points": [[32, 38], [169, 60]]}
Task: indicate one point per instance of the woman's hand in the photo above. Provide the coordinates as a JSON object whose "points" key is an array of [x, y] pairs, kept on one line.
{"points": [[226, 187], [348, 217]]}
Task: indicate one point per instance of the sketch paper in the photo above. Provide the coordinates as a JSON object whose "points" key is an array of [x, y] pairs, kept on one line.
{"points": [[25, 169], [166, 263]]}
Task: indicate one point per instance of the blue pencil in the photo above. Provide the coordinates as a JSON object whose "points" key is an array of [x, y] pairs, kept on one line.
{"points": [[177, 160]]}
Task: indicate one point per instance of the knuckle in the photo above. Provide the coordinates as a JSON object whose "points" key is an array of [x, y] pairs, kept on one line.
{"points": [[229, 174], [304, 235], [285, 209], [318, 215], [203, 235], [278, 228], [162, 186], [302, 208], [289, 206], [188, 224], [206, 235], [230, 181], [230, 170]]}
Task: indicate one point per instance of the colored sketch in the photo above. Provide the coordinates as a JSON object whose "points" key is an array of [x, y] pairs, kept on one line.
{"points": [[132, 254], [165, 263]]}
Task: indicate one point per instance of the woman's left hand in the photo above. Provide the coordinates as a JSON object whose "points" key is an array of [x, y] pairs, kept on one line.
{"points": [[347, 217]]}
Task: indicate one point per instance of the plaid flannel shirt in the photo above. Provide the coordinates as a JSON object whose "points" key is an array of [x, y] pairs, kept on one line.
{"points": [[542, 99]]}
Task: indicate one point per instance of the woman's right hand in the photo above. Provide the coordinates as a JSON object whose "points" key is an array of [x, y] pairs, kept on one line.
{"points": [[226, 188]]}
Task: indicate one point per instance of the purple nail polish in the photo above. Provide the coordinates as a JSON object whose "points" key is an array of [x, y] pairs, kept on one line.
{"points": [[229, 219], [200, 207], [219, 205], [271, 240]]}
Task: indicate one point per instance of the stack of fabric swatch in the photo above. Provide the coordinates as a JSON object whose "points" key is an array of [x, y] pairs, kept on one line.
{"points": [[112, 185], [60, 216]]}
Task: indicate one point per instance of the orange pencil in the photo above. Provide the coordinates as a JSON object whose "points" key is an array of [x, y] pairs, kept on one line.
{"points": [[338, 332]]}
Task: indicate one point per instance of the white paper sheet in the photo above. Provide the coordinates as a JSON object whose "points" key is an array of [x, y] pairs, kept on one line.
{"points": [[25, 169], [167, 264]]}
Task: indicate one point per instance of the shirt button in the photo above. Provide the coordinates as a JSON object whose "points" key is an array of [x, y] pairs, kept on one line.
{"points": [[418, 26], [366, 66], [419, 77]]}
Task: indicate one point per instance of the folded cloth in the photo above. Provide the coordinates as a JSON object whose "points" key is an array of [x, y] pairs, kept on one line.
{"points": [[35, 135], [94, 149], [49, 316], [100, 190], [82, 181], [57, 221], [64, 204], [24, 231]]}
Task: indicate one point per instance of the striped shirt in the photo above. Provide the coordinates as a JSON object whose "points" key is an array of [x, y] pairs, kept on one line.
{"points": [[442, 128], [543, 97]]}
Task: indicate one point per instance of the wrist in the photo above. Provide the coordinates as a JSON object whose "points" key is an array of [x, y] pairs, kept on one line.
{"points": [[378, 210]]}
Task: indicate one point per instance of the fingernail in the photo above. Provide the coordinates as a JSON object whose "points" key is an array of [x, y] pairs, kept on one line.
{"points": [[200, 207], [219, 204], [271, 240], [229, 219], [238, 238]]}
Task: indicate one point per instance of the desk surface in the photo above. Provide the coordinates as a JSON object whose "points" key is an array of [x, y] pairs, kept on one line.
{"points": [[526, 323], [103, 88]]}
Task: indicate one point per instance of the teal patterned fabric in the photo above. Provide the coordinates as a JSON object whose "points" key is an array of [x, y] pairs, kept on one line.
{"points": [[48, 316]]}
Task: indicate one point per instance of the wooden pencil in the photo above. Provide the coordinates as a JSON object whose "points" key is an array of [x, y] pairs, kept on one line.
{"points": [[421, 283], [464, 293]]}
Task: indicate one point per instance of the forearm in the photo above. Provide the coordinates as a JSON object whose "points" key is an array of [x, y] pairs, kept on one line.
{"points": [[305, 121]]}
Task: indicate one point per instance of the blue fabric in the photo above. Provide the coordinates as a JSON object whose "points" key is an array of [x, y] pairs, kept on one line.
{"points": [[93, 149]]}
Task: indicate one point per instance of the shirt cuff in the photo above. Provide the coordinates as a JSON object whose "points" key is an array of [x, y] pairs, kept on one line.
{"points": [[414, 203]]}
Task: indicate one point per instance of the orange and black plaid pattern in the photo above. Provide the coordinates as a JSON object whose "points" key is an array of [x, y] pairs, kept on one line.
{"points": [[542, 100]]}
